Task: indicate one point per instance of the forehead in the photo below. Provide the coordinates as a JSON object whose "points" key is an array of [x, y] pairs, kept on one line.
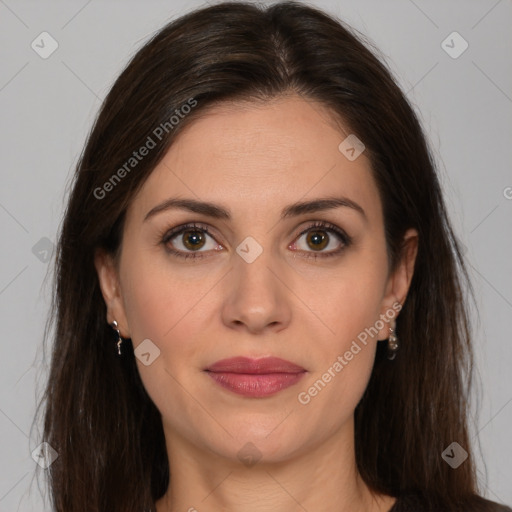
{"points": [[253, 156]]}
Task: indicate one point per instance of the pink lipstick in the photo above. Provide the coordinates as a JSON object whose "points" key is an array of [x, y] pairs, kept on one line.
{"points": [[255, 378]]}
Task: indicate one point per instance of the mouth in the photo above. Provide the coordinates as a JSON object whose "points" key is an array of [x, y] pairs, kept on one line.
{"points": [[255, 378]]}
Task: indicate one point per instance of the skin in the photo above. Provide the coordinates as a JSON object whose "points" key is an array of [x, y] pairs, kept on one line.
{"points": [[254, 160]]}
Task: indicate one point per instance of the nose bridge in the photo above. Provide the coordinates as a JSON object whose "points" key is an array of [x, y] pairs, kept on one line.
{"points": [[251, 269], [256, 298]]}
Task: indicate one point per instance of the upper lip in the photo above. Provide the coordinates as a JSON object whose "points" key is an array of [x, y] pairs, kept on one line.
{"points": [[255, 366]]}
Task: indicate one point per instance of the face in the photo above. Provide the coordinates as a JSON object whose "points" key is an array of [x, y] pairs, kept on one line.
{"points": [[265, 269]]}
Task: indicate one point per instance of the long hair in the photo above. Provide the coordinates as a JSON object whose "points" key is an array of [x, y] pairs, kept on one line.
{"points": [[97, 415]]}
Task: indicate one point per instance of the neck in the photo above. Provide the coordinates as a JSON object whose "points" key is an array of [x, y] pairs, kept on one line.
{"points": [[323, 478]]}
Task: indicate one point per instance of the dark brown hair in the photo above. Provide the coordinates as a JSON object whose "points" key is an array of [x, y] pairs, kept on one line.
{"points": [[97, 414]]}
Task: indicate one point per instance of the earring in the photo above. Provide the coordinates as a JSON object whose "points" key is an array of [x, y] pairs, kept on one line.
{"points": [[392, 344], [120, 340]]}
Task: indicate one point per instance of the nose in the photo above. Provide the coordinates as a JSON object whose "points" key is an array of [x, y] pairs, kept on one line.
{"points": [[256, 300]]}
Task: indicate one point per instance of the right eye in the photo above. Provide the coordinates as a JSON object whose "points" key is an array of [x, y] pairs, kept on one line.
{"points": [[186, 240]]}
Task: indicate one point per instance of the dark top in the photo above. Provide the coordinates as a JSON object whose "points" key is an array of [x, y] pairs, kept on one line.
{"points": [[411, 503]]}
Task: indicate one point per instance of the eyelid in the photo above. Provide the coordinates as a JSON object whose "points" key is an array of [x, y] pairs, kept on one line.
{"points": [[325, 225], [171, 233]]}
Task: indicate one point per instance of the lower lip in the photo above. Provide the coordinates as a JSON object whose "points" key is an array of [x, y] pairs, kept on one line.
{"points": [[255, 385]]}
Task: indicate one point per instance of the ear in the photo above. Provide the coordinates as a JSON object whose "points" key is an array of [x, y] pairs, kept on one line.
{"points": [[399, 282], [108, 277]]}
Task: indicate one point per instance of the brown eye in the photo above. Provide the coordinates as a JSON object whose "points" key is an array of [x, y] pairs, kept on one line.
{"points": [[193, 239], [322, 239], [190, 241], [317, 240]]}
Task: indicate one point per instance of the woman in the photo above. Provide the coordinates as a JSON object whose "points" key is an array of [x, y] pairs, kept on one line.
{"points": [[260, 301]]}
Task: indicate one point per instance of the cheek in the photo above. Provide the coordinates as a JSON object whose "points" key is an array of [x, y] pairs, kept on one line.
{"points": [[157, 300], [347, 300], [166, 309], [347, 304], [342, 358], [173, 309]]}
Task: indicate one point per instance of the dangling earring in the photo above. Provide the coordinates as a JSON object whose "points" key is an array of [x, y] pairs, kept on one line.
{"points": [[120, 340], [392, 344]]}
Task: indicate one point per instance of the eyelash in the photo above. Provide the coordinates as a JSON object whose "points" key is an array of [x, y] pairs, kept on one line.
{"points": [[325, 226]]}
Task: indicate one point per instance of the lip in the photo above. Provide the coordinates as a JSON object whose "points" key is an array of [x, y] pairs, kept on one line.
{"points": [[255, 378], [255, 366]]}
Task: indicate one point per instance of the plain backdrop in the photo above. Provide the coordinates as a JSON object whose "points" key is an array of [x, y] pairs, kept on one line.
{"points": [[48, 105]]}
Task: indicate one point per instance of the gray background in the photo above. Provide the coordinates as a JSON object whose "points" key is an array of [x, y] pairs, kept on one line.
{"points": [[48, 105]]}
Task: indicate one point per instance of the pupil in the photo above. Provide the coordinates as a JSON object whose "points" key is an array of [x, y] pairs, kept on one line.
{"points": [[318, 239], [193, 239]]}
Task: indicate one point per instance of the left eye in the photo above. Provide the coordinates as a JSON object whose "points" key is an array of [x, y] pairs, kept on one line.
{"points": [[318, 240]]}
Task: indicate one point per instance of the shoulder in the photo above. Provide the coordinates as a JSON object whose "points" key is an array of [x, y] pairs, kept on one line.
{"points": [[415, 503]]}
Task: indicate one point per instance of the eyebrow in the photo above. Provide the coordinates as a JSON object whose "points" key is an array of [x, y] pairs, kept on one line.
{"points": [[218, 212]]}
